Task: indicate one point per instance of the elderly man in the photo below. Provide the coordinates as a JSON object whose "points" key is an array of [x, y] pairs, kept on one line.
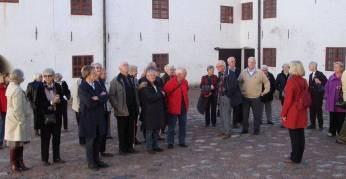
{"points": [[31, 93], [229, 96], [317, 81], [237, 110], [252, 82], [176, 90], [66, 96], [124, 99], [281, 80], [268, 98]]}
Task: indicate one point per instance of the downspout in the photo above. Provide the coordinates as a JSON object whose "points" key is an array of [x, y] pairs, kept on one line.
{"points": [[259, 33], [104, 29]]}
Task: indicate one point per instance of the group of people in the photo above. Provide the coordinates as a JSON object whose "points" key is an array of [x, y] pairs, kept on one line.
{"points": [[159, 102], [235, 91]]}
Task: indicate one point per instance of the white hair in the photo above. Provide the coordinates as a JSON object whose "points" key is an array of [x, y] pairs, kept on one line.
{"points": [[17, 76], [96, 64], [180, 70], [297, 68], [230, 58], [252, 59], [221, 63], [48, 71], [36, 76]]}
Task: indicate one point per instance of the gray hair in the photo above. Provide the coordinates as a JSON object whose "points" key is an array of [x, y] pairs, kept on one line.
{"points": [[180, 70], [96, 65], [133, 67], [17, 76], [210, 67], [48, 71], [168, 67], [36, 76], [86, 71], [313, 64], [58, 75], [231, 58], [297, 68], [252, 59], [285, 65], [264, 67], [341, 65], [221, 63]]}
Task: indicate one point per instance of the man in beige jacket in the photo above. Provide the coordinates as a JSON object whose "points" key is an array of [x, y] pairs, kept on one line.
{"points": [[252, 82]]}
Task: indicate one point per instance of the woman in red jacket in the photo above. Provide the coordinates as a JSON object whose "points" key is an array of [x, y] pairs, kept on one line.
{"points": [[176, 90], [3, 105], [293, 116]]}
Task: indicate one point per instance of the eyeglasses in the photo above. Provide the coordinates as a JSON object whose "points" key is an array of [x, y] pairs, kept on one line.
{"points": [[47, 76]]}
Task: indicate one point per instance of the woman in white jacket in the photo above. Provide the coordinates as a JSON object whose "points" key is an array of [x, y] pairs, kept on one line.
{"points": [[18, 120]]}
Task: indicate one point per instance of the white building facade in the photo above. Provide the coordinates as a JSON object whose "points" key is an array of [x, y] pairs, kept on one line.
{"points": [[66, 34]]}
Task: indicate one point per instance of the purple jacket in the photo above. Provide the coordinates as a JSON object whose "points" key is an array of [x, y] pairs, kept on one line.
{"points": [[332, 92]]}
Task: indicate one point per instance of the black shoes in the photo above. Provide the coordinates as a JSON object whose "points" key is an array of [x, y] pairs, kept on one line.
{"points": [[312, 127], [59, 161], [158, 150], [183, 145], [256, 132], [244, 131], [46, 163], [170, 146], [101, 164], [270, 123]]}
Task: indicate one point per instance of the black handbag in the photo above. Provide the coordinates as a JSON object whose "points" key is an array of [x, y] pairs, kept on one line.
{"points": [[341, 103], [49, 119], [201, 104]]}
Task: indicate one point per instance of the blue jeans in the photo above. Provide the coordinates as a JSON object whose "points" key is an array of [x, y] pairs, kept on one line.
{"points": [[172, 121], [2, 130], [151, 139]]}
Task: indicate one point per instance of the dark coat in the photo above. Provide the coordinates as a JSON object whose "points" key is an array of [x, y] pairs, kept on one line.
{"points": [[205, 85], [32, 92], [269, 96], [153, 113], [65, 90], [281, 81], [44, 106], [315, 89], [237, 72], [233, 88], [92, 112]]}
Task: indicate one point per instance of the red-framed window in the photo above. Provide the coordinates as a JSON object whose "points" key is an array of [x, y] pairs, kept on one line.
{"points": [[160, 9], [81, 7], [78, 62], [226, 14], [334, 54], [247, 11], [269, 57], [269, 9], [161, 60]]}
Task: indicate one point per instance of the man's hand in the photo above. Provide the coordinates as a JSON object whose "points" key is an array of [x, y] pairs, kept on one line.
{"points": [[317, 81], [95, 98], [103, 93]]}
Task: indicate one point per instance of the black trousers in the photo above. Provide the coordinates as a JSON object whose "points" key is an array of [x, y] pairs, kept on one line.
{"points": [[298, 144], [126, 132], [81, 139], [103, 141], [48, 132], [36, 119], [237, 114], [316, 109], [210, 111], [336, 120], [256, 105], [92, 147], [64, 115]]}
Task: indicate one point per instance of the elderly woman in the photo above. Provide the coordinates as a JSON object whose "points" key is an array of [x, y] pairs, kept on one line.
{"points": [[333, 93], [294, 115], [208, 88], [153, 115], [18, 120], [177, 100], [268, 98], [169, 72], [66, 96], [50, 95], [92, 97], [3, 105]]}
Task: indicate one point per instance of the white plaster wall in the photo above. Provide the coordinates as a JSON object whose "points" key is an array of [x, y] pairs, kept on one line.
{"points": [[127, 19], [54, 23]]}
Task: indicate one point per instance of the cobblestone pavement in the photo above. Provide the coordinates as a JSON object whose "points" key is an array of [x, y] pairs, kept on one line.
{"points": [[208, 156]]}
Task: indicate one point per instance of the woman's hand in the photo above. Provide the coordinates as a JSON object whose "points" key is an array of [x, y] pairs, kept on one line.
{"points": [[95, 98], [284, 118]]}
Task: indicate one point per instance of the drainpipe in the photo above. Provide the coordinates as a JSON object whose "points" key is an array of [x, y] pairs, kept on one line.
{"points": [[259, 38], [104, 28]]}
